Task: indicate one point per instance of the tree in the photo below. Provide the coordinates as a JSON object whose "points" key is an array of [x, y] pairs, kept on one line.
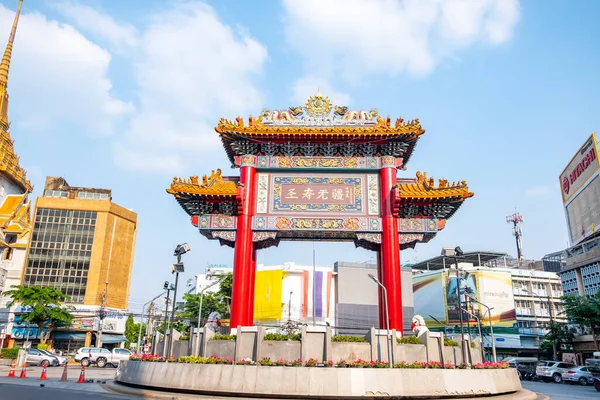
{"points": [[44, 305], [225, 287], [132, 330], [584, 311], [559, 336], [210, 302]]}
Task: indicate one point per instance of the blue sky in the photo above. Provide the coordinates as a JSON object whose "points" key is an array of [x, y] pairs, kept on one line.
{"points": [[125, 95]]}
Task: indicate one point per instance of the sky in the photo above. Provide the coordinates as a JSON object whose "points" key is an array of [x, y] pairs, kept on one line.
{"points": [[126, 94]]}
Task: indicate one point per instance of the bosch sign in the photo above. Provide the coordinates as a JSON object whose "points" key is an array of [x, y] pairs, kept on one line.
{"points": [[580, 169]]}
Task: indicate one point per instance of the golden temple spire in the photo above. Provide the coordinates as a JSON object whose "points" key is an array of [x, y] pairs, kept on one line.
{"points": [[5, 65]]}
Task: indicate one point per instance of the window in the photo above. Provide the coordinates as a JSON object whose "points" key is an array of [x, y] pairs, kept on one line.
{"points": [[92, 196], [122, 351], [56, 193]]}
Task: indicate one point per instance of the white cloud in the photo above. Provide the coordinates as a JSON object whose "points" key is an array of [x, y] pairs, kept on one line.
{"points": [[191, 70], [542, 191], [60, 78], [308, 85], [358, 37], [120, 36]]}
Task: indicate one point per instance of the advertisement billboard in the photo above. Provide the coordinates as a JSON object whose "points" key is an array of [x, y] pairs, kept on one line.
{"points": [[435, 298], [580, 169]]}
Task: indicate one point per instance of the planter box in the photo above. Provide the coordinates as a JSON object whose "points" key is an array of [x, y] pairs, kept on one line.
{"points": [[318, 382]]}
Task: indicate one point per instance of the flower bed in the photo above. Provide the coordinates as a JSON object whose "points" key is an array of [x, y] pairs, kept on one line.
{"points": [[267, 362]]}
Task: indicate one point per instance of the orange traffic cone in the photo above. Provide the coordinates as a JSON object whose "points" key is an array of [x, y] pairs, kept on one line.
{"points": [[63, 378], [82, 375], [13, 366], [43, 377], [24, 370]]}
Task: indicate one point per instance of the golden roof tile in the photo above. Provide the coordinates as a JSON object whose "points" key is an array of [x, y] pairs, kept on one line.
{"points": [[424, 188], [213, 185]]}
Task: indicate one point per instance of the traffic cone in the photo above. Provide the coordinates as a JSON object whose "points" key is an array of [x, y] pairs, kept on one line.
{"points": [[43, 377], [63, 378], [24, 371], [13, 366], [82, 375]]}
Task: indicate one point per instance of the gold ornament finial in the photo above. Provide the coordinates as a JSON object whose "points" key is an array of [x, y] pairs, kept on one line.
{"points": [[5, 65]]}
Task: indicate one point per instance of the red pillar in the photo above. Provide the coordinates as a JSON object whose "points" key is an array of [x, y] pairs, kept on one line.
{"points": [[242, 258], [390, 243], [252, 284]]}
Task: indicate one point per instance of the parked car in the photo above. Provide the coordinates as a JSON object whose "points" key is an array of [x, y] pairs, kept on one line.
{"points": [[552, 370], [101, 357], [61, 360], [582, 375], [37, 357], [597, 384]]}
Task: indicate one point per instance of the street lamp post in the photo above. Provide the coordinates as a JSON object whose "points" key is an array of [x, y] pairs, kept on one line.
{"points": [[387, 320], [455, 253], [168, 287], [489, 311], [197, 349], [142, 320], [180, 250], [479, 328]]}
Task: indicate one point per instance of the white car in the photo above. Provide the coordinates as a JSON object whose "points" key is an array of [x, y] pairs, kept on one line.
{"points": [[101, 357]]}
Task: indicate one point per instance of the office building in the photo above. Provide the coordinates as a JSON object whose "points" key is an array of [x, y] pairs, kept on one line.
{"points": [[580, 187], [82, 244], [15, 224]]}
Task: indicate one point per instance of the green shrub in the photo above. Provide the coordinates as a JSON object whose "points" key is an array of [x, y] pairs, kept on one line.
{"points": [[349, 338], [450, 342], [472, 345], [184, 337], [223, 337], [408, 340], [10, 354], [281, 338], [42, 346]]}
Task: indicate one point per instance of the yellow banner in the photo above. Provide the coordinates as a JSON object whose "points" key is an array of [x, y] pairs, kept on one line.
{"points": [[267, 295]]}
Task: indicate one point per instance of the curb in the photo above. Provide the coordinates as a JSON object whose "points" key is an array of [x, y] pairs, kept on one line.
{"points": [[119, 388]]}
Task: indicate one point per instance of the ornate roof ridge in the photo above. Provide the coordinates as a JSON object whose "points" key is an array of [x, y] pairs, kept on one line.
{"points": [[320, 115], [425, 187], [212, 185]]}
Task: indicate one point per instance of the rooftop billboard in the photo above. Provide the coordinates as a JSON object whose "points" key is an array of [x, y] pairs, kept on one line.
{"points": [[582, 167], [435, 297]]}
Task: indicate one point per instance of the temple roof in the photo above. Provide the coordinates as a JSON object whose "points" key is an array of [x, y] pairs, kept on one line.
{"points": [[216, 194], [320, 128], [421, 197], [15, 214], [9, 162]]}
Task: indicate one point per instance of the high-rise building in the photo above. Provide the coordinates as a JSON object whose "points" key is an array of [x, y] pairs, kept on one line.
{"points": [[580, 186], [14, 203], [83, 244]]}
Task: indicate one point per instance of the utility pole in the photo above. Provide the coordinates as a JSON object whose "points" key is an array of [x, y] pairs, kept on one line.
{"points": [[102, 315], [516, 220]]}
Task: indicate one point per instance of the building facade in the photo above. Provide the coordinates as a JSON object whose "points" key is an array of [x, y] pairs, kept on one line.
{"points": [[580, 187], [524, 301], [15, 223], [82, 244]]}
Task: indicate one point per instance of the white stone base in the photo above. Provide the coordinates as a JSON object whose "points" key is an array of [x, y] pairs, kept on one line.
{"points": [[259, 381]]}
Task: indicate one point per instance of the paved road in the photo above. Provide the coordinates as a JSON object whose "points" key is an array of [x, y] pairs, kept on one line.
{"points": [[564, 391], [21, 392]]}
